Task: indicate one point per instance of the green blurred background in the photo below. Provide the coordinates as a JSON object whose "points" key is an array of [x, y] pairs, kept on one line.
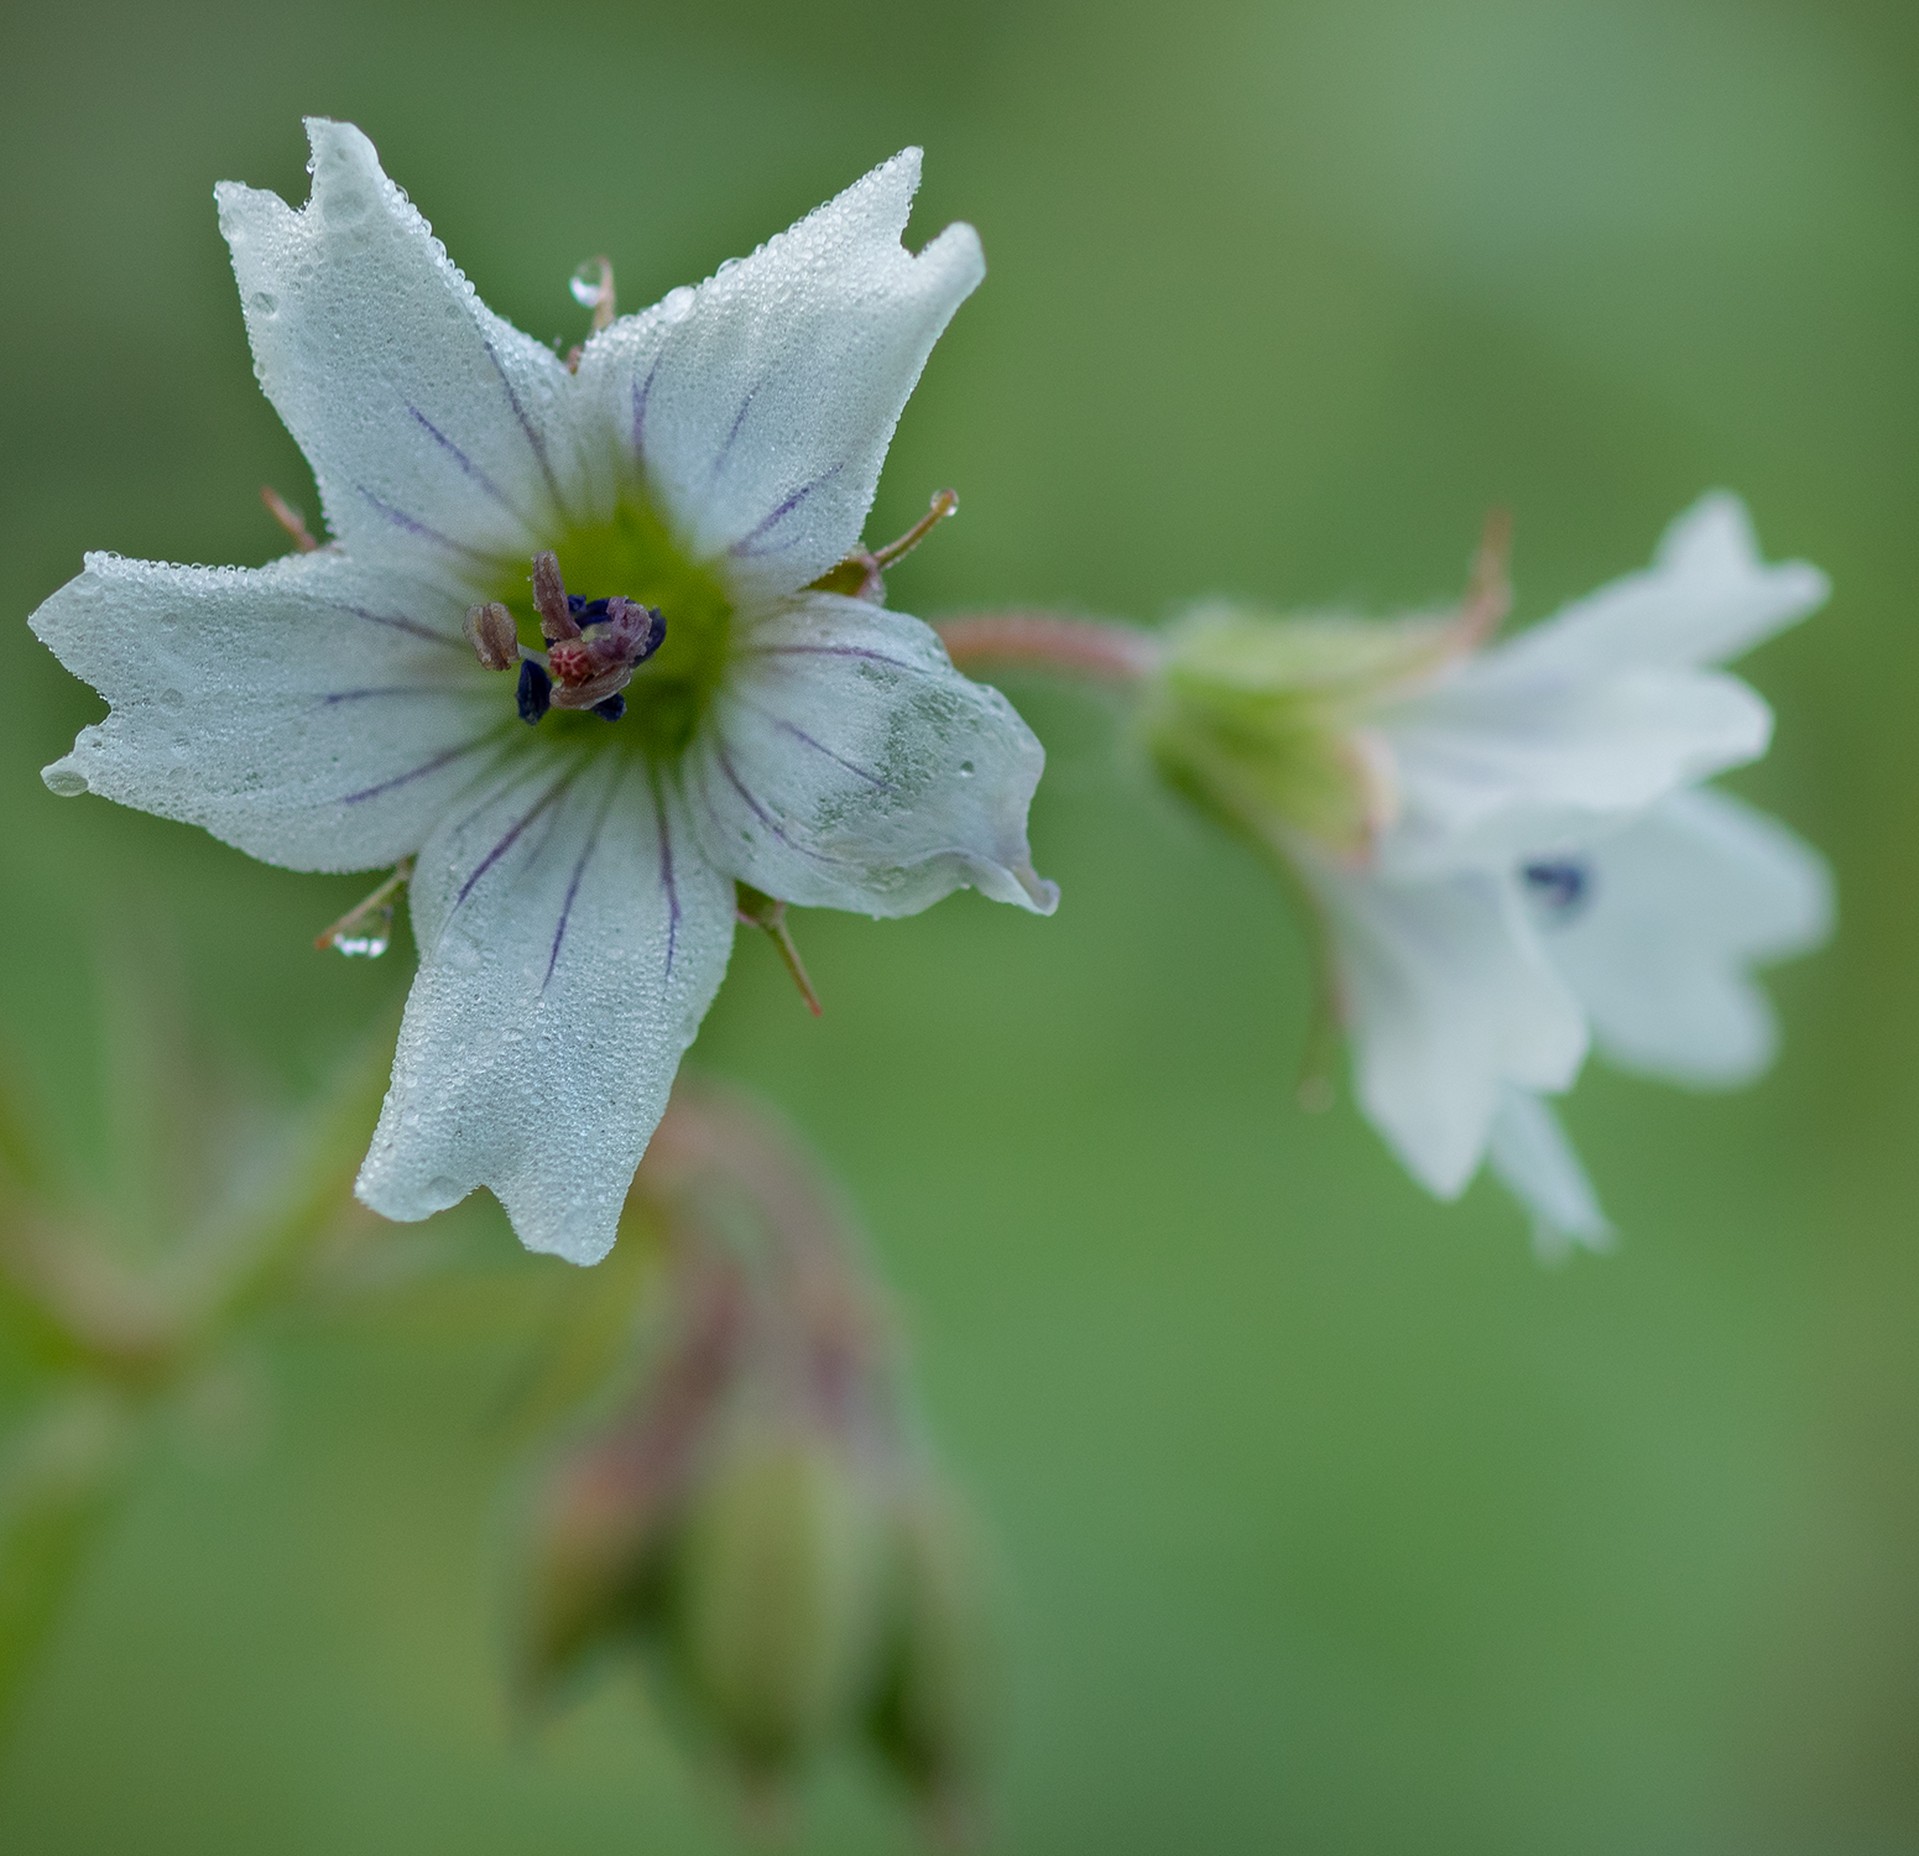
{"points": [[1331, 1521]]}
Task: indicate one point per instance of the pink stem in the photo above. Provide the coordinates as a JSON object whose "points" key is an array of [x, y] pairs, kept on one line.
{"points": [[1096, 648]]}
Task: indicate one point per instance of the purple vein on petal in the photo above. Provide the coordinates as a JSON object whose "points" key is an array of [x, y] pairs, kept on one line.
{"points": [[472, 471], [412, 627], [579, 871], [759, 811], [834, 650], [733, 433], [412, 525], [819, 747], [420, 772], [525, 770], [384, 689], [642, 392], [666, 879], [512, 836], [754, 540], [534, 437]]}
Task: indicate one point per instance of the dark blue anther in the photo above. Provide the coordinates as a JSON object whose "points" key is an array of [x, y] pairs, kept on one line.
{"points": [[536, 691], [655, 634], [611, 710], [1561, 885]]}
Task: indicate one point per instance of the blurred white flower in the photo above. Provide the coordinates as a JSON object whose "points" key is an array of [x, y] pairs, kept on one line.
{"points": [[573, 892], [1505, 847]]}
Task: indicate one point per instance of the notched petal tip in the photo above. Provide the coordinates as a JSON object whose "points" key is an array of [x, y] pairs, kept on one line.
{"points": [[329, 139], [576, 1243], [957, 254]]}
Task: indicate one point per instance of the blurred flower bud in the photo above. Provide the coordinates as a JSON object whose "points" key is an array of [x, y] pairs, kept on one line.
{"points": [[758, 1515], [594, 1567], [606, 1522], [777, 1603], [934, 1704]]}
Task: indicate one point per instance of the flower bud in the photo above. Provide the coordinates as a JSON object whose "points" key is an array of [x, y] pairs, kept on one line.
{"points": [[932, 1712], [777, 1597], [1260, 721], [594, 1573], [607, 1519]]}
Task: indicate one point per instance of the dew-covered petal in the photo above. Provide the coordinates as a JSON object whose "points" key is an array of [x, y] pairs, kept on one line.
{"points": [[1493, 766], [312, 713], [1449, 1000], [435, 430], [848, 765], [571, 939], [1707, 597], [1674, 912], [1535, 1161], [760, 405]]}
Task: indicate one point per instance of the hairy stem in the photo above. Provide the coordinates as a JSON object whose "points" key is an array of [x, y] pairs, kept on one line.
{"points": [[1101, 650]]}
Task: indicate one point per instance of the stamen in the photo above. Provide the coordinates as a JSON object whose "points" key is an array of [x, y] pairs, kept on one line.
{"points": [[535, 692], [289, 518], [1561, 884], [550, 600], [593, 646], [493, 635], [614, 637]]}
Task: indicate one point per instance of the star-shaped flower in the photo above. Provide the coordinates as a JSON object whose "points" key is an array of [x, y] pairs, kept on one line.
{"points": [[706, 713], [1503, 845]]}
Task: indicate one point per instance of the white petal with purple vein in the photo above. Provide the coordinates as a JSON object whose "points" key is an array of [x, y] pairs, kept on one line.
{"points": [[310, 712], [848, 765], [762, 403], [570, 940], [436, 431]]}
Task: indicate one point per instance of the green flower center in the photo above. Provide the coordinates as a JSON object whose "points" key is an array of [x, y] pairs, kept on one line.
{"points": [[635, 556]]}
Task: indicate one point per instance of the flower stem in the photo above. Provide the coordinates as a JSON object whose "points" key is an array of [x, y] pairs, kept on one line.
{"points": [[1101, 650]]}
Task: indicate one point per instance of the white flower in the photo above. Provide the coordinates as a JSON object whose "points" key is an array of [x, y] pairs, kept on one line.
{"points": [[574, 890], [1505, 847]]}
